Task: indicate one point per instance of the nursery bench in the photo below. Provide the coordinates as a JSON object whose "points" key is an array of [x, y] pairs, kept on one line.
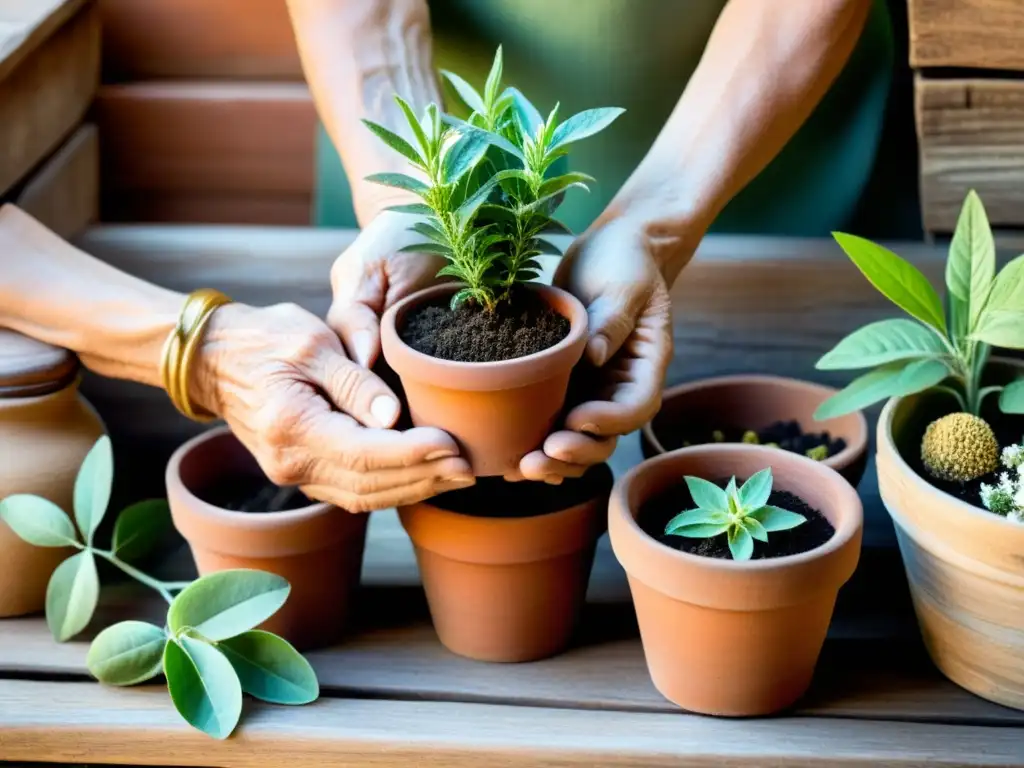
{"points": [[392, 695]]}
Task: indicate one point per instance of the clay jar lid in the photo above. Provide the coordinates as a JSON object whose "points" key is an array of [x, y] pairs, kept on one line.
{"points": [[30, 368]]}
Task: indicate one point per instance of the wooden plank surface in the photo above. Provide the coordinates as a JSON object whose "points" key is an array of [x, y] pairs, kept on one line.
{"points": [[971, 136], [72, 722], [64, 194], [985, 34], [198, 39], [47, 94], [25, 24]]}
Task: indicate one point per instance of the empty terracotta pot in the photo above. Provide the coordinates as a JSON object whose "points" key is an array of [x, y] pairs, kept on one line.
{"points": [[508, 589], [731, 638], [318, 548], [755, 402], [965, 565], [498, 412]]}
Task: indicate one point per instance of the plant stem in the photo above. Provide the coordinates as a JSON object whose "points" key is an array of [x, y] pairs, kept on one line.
{"points": [[985, 392], [163, 587], [950, 391]]}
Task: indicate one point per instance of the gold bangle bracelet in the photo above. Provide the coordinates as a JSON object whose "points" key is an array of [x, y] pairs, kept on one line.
{"points": [[181, 346]]}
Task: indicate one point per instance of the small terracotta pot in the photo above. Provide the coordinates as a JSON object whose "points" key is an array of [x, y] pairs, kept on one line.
{"points": [[498, 412], [734, 638], [318, 549], [965, 565], [755, 402], [507, 589]]}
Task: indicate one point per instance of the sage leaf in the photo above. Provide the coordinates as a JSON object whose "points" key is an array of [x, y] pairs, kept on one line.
{"points": [[1008, 290], [584, 124], [700, 530], [893, 380], [694, 517], [755, 492], [898, 280], [203, 686], [1011, 399], [1001, 328], [416, 209], [414, 125], [140, 527], [741, 543], [395, 141], [464, 155], [227, 603], [430, 232], [127, 653], [755, 529], [552, 187], [466, 92], [543, 246], [399, 181], [92, 487], [38, 521], [882, 342], [494, 139], [270, 669], [443, 250], [71, 596], [493, 81], [707, 495], [528, 115], [971, 266], [774, 519]]}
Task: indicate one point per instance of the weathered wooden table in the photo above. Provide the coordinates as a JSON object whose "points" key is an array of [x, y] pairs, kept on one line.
{"points": [[391, 694]]}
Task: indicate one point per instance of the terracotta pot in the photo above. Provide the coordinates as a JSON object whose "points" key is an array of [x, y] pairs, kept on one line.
{"points": [[965, 565], [734, 638], [499, 411], [318, 549], [507, 589], [755, 402], [46, 429]]}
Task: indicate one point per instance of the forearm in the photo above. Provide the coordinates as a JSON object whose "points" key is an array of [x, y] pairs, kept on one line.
{"points": [[356, 55], [765, 68], [54, 292]]}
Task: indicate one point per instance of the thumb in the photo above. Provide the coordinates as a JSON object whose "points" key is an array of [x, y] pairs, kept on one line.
{"points": [[356, 390], [611, 317], [358, 327]]}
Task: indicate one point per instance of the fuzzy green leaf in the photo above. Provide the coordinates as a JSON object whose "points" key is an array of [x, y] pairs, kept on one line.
{"points": [[555, 227], [707, 495], [493, 138], [443, 250], [493, 82], [741, 543], [430, 232], [558, 184], [127, 653], [38, 521], [1008, 290], [896, 279], [698, 516], [972, 261], [203, 686], [416, 209], [1001, 328], [882, 342], [528, 115], [1011, 399], [774, 519], [140, 527], [469, 208], [460, 298], [700, 530], [496, 213], [526, 275], [396, 142], [584, 124], [755, 492], [92, 487], [71, 596], [466, 92], [543, 246], [399, 181], [414, 125], [755, 529], [452, 270], [464, 155], [893, 380], [270, 669], [227, 603]]}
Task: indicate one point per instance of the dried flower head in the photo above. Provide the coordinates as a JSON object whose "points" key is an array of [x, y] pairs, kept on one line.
{"points": [[959, 447]]}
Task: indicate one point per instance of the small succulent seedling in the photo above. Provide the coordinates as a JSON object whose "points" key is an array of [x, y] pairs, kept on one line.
{"points": [[742, 514], [818, 453], [1007, 497], [208, 649], [490, 185]]}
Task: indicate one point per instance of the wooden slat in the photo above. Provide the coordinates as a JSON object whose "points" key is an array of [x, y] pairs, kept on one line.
{"points": [[174, 207], [966, 33], [65, 193], [46, 95], [971, 136], [25, 24], [226, 39]]}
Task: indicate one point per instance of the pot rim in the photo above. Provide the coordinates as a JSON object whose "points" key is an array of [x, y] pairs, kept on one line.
{"points": [[482, 376], [855, 447]]}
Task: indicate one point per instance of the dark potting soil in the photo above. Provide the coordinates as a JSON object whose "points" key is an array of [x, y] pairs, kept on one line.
{"points": [[495, 497], [655, 514], [786, 434], [516, 328], [252, 493]]}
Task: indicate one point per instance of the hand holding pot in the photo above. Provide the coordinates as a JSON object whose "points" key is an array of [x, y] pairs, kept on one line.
{"points": [[312, 417]]}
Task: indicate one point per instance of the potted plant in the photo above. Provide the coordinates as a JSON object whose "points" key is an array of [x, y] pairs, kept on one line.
{"points": [[774, 411], [947, 458], [233, 517], [735, 555], [487, 357], [505, 565], [209, 649]]}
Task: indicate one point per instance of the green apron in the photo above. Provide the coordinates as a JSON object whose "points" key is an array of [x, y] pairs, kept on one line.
{"points": [[639, 54]]}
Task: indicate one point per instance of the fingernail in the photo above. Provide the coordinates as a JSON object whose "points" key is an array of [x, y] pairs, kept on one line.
{"points": [[362, 347], [384, 410], [443, 454], [598, 350], [553, 479], [461, 482]]}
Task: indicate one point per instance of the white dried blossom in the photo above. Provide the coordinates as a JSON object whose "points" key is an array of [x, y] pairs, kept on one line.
{"points": [[1007, 496], [1013, 457]]}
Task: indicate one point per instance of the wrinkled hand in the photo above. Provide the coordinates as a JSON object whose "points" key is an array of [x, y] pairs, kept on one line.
{"points": [[312, 417], [610, 269]]}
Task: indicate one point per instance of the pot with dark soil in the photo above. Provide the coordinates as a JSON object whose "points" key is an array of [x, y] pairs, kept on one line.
{"points": [[735, 555], [505, 565], [773, 411], [487, 357], [232, 516]]}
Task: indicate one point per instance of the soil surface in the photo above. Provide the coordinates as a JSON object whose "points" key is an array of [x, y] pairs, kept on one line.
{"points": [[252, 493], [495, 497], [786, 434], [655, 514], [523, 326]]}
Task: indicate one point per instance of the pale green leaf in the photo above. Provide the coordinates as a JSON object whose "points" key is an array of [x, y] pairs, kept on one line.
{"points": [[1001, 328], [203, 686], [92, 487], [493, 82], [270, 669], [694, 517], [893, 380], [700, 530], [395, 141], [584, 124], [1008, 290], [466, 92], [755, 529], [414, 125], [493, 138], [227, 603], [543, 246], [127, 653], [707, 495], [898, 280], [140, 527], [972, 258], [38, 521], [430, 232], [730, 488], [553, 186], [469, 208], [443, 250], [399, 181], [755, 492], [71, 596], [882, 342], [416, 209], [464, 155], [741, 543], [528, 115], [774, 519], [1011, 399]]}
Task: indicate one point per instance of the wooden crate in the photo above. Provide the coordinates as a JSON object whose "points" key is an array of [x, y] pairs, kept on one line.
{"points": [[982, 34]]}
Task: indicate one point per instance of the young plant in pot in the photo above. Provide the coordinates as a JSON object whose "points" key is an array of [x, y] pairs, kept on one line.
{"points": [[948, 446], [487, 355], [209, 648], [724, 543]]}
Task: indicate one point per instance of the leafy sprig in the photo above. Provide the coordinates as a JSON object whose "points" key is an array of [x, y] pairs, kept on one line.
{"points": [[941, 347], [741, 513]]}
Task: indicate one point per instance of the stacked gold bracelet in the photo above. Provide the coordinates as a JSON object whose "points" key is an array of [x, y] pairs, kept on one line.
{"points": [[181, 346]]}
